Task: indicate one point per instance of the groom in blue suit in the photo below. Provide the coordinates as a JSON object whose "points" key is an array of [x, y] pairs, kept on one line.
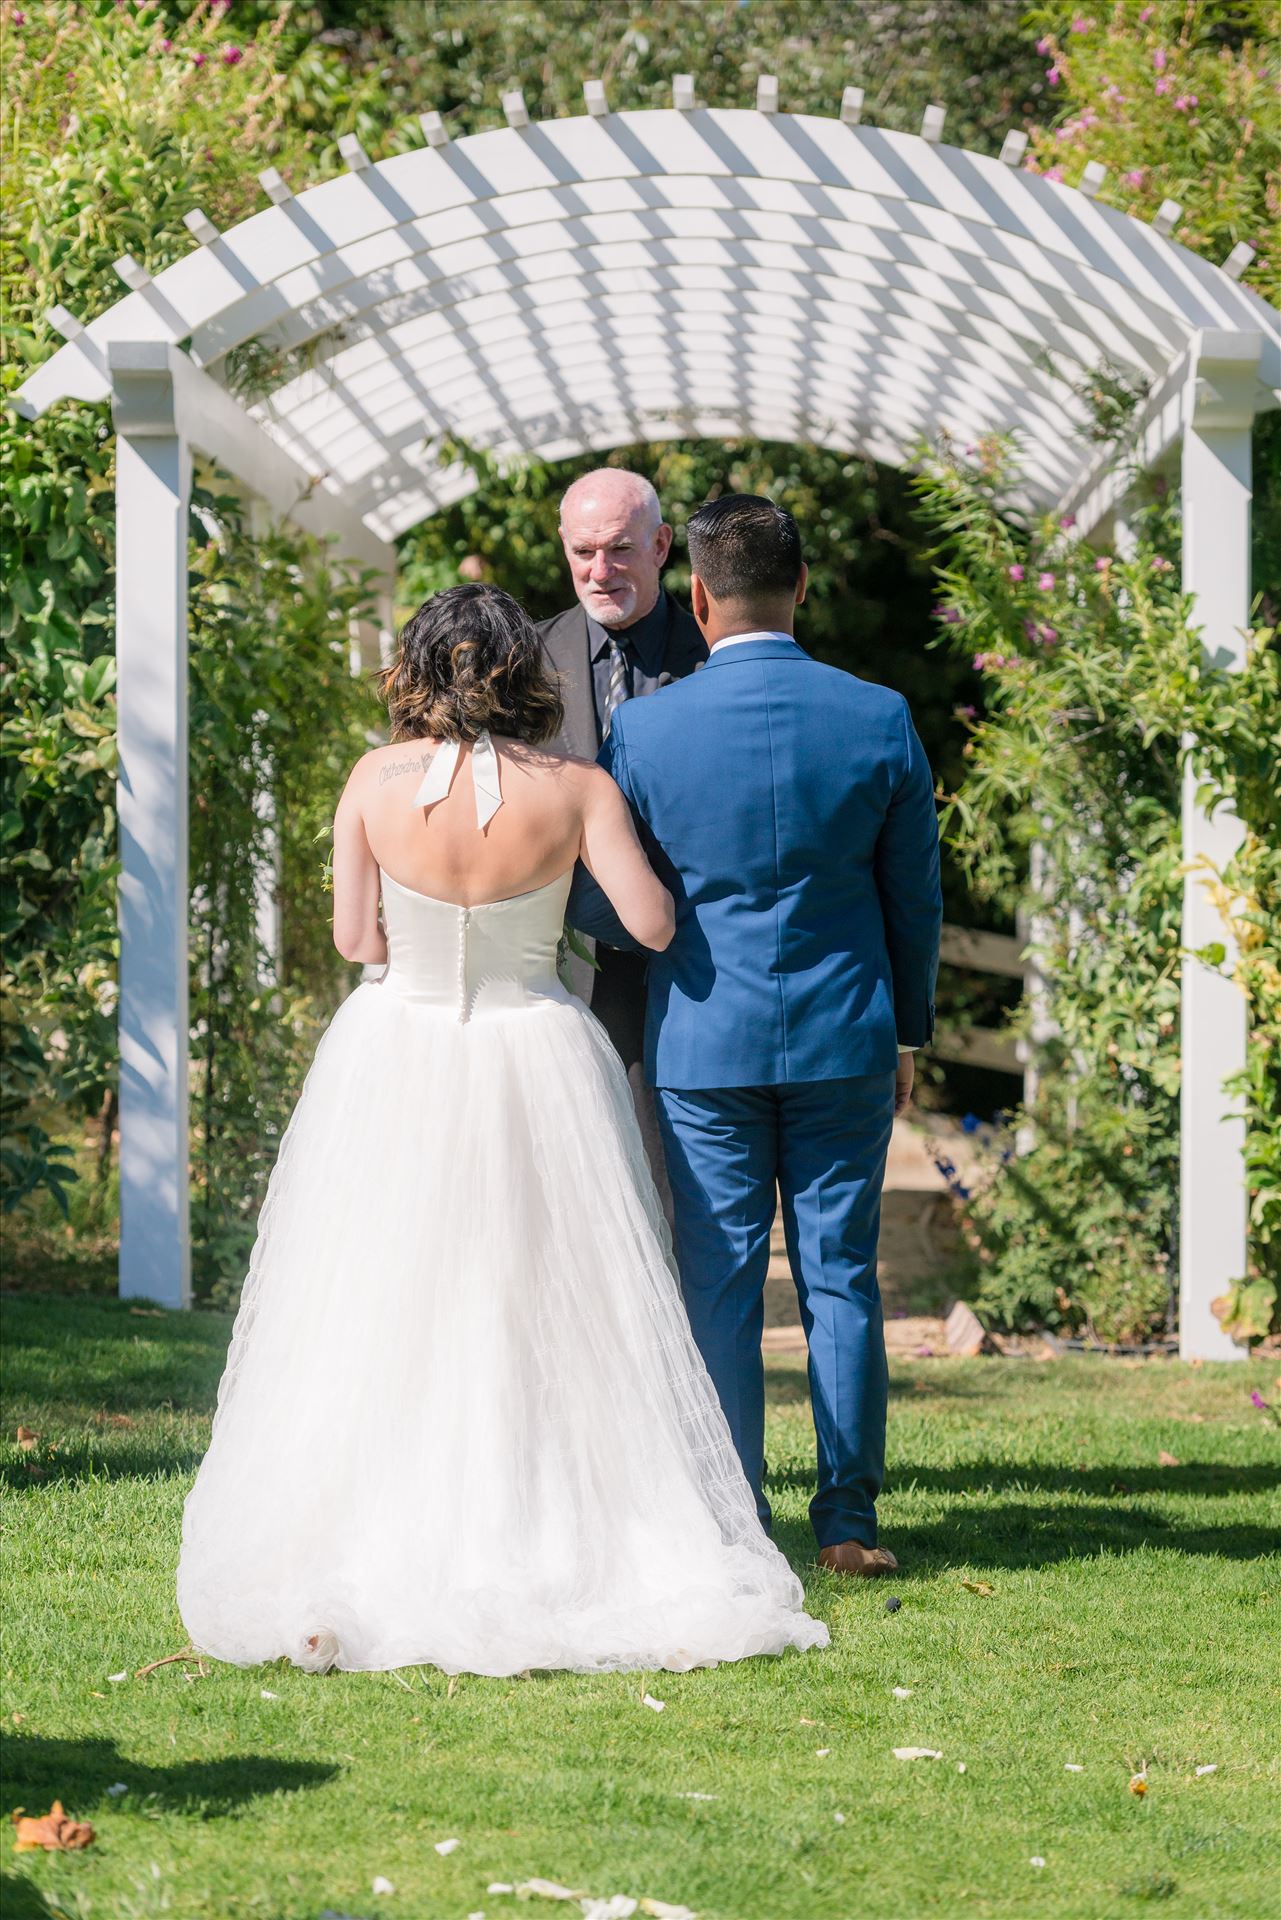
{"points": [[790, 809]]}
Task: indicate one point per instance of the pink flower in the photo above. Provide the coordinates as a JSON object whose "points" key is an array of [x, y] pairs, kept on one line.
{"points": [[1257, 1399], [1162, 86], [1135, 177], [1053, 76], [199, 59], [1146, 15], [1047, 636], [1015, 572], [1053, 173], [1044, 46], [1068, 521], [1159, 59], [1162, 565], [1185, 103], [1081, 25], [1045, 582], [232, 56], [166, 46], [1102, 564], [18, 19], [967, 713]]}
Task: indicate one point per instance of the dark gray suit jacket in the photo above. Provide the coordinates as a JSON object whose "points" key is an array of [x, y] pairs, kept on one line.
{"points": [[618, 986]]}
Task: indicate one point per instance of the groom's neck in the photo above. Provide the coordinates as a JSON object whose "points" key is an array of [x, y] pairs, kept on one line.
{"points": [[724, 621]]}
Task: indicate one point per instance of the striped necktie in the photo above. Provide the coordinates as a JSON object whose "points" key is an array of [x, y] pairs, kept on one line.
{"points": [[619, 688]]}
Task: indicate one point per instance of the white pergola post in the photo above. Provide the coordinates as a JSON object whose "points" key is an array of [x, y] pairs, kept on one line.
{"points": [[1213, 1226], [153, 491]]}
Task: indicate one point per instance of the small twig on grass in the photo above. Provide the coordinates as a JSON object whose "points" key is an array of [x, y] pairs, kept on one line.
{"points": [[188, 1653]]}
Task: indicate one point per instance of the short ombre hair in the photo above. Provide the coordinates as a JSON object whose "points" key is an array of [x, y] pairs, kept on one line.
{"points": [[470, 659]]}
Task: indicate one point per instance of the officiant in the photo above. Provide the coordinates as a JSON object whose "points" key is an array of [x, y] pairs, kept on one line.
{"points": [[624, 639]]}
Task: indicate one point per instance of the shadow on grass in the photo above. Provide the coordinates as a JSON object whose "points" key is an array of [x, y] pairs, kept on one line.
{"points": [[19, 1900], [107, 1353], [787, 1385], [36, 1771]]}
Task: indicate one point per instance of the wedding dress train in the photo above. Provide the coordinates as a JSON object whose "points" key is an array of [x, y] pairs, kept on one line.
{"points": [[463, 1420]]}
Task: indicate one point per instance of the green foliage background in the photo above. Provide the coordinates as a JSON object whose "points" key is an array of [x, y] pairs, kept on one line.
{"points": [[118, 120]]}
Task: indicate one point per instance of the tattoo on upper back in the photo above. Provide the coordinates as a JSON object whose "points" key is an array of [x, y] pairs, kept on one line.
{"points": [[391, 768]]}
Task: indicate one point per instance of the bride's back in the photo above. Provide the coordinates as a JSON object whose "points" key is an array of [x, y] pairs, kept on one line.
{"points": [[440, 849]]}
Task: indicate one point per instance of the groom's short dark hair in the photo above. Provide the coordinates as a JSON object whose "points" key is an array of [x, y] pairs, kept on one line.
{"points": [[744, 548]]}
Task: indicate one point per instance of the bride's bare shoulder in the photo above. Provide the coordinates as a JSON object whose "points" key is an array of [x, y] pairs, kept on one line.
{"points": [[383, 764]]}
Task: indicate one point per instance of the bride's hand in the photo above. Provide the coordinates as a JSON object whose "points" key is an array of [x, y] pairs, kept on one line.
{"points": [[616, 861], [903, 1077]]}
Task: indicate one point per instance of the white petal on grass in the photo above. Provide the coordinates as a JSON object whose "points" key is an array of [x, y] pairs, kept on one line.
{"points": [[917, 1753], [839, 1819], [265, 1693], [648, 1700], [447, 1846], [500, 1886], [1072, 1766], [1213, 1767], [116, 1678], [821, 1753], [659, 1910], [382, 1884], [547, 1890], [114, 1793], [619, 1906], [960, 1766], [1036, 1861], [901, 1693], [698, 1796]]}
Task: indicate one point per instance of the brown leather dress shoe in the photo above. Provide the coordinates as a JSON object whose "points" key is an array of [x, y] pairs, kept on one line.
{"points": [[851, 1556]]}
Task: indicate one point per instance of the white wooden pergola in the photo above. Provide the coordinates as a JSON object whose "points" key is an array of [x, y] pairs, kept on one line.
{"points": [[594, 281]]}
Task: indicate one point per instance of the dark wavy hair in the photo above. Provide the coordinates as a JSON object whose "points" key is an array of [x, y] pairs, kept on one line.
{"points": [[470, 659]]}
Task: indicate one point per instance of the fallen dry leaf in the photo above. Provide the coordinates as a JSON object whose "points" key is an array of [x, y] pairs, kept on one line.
{"points": [[27, 1438], [105, 1419], [148, 1313], [52, 1831], [807, 1723], [1165, 1459], [977, 1586], [548, 1890]]}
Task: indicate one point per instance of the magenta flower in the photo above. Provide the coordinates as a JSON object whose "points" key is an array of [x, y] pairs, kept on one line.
{"points": [[1052, 76], [1081, 25], [1015, 572], [232, 56], [1047, 635], [18, 19], [1162, 565], [199, 59], [1160, 59], [166, 46], [1054, 173], [1043, 46], [1257, 1399], [1045, 582], [1146, 15], [1102, 564], [1134, 178], [1185, 103], [968, 713], [1068, 520], [1162, 86]]}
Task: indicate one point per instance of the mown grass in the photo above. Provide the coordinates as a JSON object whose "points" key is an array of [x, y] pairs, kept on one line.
{"points": [[1133, 1624]]}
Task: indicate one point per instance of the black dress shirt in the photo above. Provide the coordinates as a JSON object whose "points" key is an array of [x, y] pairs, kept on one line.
{"points": [[643, 645]]}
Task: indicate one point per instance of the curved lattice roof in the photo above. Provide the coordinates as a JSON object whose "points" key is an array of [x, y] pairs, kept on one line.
{"points": [[587, 282]]}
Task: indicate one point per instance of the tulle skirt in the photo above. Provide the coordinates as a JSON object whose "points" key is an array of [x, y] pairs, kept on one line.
{"points": [[463, 1420]]}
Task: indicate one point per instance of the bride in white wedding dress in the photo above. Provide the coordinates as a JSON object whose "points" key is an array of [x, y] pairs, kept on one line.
{"points": [[463, 1420]]}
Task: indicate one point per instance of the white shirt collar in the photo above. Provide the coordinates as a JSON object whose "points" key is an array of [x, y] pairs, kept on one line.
{"points": [[741, 639]]}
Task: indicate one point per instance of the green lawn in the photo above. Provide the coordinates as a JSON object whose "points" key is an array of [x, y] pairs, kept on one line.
{"points": [[1134, 1622]]}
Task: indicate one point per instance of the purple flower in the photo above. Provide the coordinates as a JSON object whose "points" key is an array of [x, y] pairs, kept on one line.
{"points": [[1257, 1399], [950, 616], [1015, 572], [18, 19], [1045, 583], [232, 56]]}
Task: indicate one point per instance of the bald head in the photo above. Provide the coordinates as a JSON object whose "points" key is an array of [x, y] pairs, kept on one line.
{"points": [[616, 542]]}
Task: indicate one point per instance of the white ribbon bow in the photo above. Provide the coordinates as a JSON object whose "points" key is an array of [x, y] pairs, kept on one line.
{"points": [[485, 779]]}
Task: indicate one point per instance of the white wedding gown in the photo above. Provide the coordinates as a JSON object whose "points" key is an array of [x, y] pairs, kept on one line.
{"points": [[463, 1420]]}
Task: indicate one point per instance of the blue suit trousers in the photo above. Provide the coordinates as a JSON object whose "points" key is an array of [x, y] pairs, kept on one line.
{"points": [[821, 1146]]}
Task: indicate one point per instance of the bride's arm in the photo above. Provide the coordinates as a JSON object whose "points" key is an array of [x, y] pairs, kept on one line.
{"points": [[357, 934], [616, 860]]}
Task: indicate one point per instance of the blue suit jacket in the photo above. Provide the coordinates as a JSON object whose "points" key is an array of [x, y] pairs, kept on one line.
{"points": [[790, 809]]}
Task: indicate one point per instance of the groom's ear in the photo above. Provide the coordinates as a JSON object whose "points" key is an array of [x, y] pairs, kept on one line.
{"points": [[699, 604], [801, 584]]}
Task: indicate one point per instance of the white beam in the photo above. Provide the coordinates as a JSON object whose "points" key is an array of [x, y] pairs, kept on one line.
{"points": [[153, 489], [1213, 1209]]}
